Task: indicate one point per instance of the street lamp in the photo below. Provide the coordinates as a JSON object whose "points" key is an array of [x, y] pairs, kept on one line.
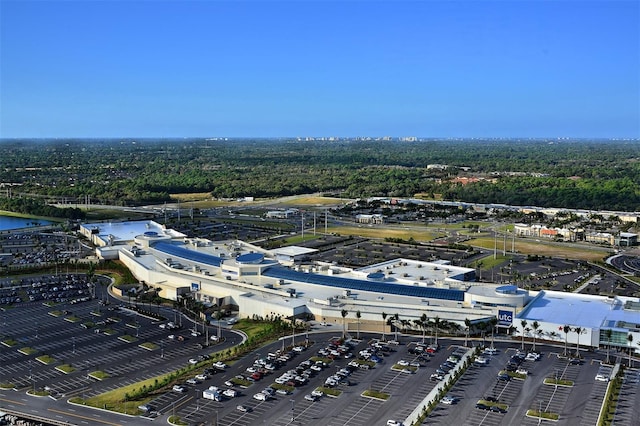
{"points": [[197, 401], [74, 344], [539, 411], [293, 403]]}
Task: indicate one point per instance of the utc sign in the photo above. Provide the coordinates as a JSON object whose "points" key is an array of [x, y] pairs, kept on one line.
{"points": [[505, 317]]}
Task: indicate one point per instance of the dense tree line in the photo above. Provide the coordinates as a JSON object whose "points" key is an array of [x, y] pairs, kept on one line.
{"points": [[38, 207], [566, 174]]}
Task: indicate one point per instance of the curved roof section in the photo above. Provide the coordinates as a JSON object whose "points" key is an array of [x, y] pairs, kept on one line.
{"points": [[507, 289], [194, 256], [362, 285], [250, 258]]}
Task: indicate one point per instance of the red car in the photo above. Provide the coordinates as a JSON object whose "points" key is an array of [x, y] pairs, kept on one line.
{"points": [[256, 376]]}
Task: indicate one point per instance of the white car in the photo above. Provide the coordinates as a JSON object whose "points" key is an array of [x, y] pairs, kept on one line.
{"points": [[231, 393], [522, 371], [202, 377], [490, 351], [193, 361], [261, 396], [393, 423], [178, 388], [482, 360], [449, 400], [317, 393], [403, 363], [220, 365], [602, 377]]}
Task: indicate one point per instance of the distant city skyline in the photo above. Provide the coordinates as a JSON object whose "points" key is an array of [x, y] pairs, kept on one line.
{"points": [[426, 69]]}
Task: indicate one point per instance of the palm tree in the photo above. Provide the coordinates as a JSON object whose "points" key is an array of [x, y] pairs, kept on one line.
{"points": [[396, 319], [467, 324], [437, 323], [424, 320], [358, 316], [405, 323], [219, 316], [578, 331], [344, 314], [607, 333], [536, 329], [493, 322], [566, 329], [384, 321], [523, 323], [630, 340], [420, 325]]}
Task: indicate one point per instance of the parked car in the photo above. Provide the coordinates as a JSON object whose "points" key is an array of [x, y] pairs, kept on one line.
{"points": [[261, 396], [449, 400], [179, 388]]}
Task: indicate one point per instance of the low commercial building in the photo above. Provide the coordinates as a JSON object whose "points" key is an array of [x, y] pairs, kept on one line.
{"points": [[262, 283]]}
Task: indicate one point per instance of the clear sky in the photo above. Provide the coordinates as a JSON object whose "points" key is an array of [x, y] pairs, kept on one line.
{"points": [[511, 68]]}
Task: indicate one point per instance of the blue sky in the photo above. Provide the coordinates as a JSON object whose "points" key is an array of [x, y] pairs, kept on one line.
{"points": [[100, 68]]}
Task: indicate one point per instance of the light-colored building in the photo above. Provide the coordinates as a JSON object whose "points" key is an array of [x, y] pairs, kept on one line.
{"points": [[260, 282], [370, 218]]}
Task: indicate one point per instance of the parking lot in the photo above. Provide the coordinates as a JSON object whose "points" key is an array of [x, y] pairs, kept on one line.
{"points": [[404, 372], [86, 336]]}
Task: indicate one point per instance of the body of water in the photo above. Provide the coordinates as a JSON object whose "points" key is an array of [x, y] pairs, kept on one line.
{"points": [[9, 222]]}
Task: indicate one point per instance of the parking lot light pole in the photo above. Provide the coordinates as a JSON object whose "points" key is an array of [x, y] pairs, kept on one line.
{"points": [[74, 344], [539, 411], [293, 417]]}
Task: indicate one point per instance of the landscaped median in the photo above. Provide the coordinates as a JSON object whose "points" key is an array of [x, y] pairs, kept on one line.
{"points": [[370, 393], [127, 338], [493, 404], [558, 382], [9, 342], [99, 375], [150, 346], [546, 415], [404, 368], [46, 359], [513, 374], [27, 351], [66, 368], [334, 393]]}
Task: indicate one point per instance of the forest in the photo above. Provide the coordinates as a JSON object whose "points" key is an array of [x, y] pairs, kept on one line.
{"points": [[577, 174]]}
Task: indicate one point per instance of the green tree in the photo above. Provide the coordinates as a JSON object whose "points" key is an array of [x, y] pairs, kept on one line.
{"points": [[384, 322], [523, 323], [344, 314]]}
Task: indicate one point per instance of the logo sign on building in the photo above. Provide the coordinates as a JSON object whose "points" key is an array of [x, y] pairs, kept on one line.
{"points": [[195, 287], [505, 317]]}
